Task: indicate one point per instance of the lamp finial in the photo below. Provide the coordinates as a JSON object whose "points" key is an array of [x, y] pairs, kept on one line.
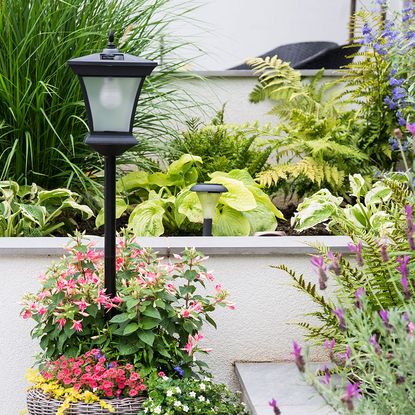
{"points": [[111, 40]]}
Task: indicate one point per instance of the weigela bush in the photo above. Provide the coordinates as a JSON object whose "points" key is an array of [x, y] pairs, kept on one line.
{"points": [[160, 308], [191, 396]]}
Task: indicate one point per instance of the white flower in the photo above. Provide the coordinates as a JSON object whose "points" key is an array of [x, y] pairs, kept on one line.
{"points": [[202, 387], [177, 403], [185, 408], [201, 398], [157, 410], [178, 390], [169, 393], [192, 394]]}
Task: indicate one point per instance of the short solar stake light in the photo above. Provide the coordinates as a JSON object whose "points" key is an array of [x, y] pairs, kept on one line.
{"points": [[111, 83], [208, 194]]}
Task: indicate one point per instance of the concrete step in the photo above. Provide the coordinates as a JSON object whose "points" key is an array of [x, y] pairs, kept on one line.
{"points": [[260, 382]]}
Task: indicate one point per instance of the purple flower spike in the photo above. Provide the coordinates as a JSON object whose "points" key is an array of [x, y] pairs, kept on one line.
{"points": [[299, 360], [384, 315], [327, 376], [329, 345], [374, 342], [352, 391], [344, 357], [318, 262], [339, 313], [384, 252], [410, 231], [357, 249], [274, 406], [334, 262], [358, 295]]}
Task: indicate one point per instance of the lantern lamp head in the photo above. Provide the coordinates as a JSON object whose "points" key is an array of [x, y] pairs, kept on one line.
{"points": [[208, 194], [111, 83]]}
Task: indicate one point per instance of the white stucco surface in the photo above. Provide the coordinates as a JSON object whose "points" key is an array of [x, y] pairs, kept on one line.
{"points": [[232, 88], [260, 329], [230, 31]]}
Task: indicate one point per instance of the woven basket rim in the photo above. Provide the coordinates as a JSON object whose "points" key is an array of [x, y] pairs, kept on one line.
{"points": [[46, 396]]}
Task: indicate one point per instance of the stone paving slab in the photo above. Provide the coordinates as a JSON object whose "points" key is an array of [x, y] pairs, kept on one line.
{"points": [[260, 382]]}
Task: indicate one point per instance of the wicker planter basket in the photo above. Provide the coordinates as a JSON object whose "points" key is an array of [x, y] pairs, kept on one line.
{"points": [[39, 403]]}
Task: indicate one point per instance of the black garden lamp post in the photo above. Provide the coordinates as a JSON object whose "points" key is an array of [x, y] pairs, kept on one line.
{"points": [[111, 83], [208, 194]]}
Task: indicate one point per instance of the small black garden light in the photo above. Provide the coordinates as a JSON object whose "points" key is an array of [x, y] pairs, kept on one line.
{"points": [[208, 194], [111, 83]]}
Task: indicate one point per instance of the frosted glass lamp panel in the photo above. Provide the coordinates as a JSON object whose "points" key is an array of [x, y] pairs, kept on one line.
{"points": [[208, 202], [111, 101]]}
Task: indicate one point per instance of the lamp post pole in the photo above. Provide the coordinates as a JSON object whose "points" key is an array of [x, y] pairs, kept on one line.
{"points": [[110, 226]]}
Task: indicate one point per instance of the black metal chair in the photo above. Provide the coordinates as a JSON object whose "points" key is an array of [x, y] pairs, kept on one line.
{"points": [[311, 55], [334, 58], [294, 53]]}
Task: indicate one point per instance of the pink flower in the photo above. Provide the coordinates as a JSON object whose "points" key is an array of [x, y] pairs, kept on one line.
{"points": [[61, 322], [77, 325], [42, 311], [410, 128], [27, 314], [82, 305]]}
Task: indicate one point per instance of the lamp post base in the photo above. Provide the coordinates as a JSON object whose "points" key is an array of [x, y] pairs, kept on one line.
{"points": [[207, 227]]}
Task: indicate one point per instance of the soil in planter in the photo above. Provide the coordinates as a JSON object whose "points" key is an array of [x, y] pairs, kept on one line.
{"points": [[283, 225]]}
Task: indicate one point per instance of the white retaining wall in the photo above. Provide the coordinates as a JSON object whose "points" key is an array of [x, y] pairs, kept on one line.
{"points": [[260, 329], [212, 89]]}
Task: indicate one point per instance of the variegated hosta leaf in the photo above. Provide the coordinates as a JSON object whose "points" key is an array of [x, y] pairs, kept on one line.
{"points": [[237, 197], [359, 215], [120, 208], [188, 205], [147, 218], [132, 181], [382, 223], [358, 185], [315, 209], [261, 219], [378, 194], [230, 222]]}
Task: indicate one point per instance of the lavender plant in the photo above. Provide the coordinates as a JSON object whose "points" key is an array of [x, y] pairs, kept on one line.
{"points": [[379, 362]]}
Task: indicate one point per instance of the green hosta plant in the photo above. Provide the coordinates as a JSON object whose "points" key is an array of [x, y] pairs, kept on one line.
{"points": [[159, 310], [368, 211], [163, 203], [32, 211]]}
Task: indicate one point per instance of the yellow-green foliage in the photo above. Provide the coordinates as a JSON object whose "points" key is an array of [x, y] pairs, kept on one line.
{"points": [[316, 143]]}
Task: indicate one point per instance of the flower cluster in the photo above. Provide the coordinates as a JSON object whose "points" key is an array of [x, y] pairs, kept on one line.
{"points": [[159, 311], [93, 372], [191, 396], [67, 395]]}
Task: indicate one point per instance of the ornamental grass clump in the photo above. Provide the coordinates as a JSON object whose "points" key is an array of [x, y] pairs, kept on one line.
{"points": [[158, 313]]}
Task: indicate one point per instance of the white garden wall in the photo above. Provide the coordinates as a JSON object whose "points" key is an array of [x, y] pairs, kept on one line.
{"points": [[260, 329], [215, 88]]}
